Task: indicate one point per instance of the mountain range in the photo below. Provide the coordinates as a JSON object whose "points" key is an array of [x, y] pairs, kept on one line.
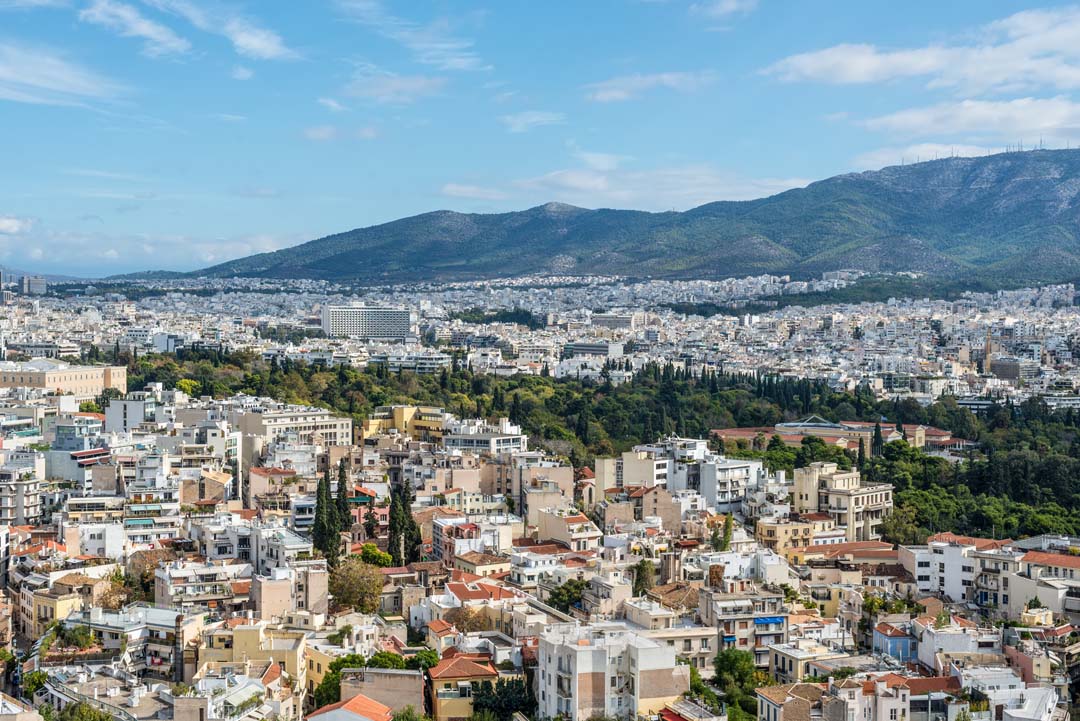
{"points": [[1004, 217]]}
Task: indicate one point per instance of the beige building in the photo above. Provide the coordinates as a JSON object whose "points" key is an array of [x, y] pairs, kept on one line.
{"points": [[482, 564], [302, 586], [605, 670], [785, 535], [51, 376], [859, 509], [569, 527], [788, 662]]}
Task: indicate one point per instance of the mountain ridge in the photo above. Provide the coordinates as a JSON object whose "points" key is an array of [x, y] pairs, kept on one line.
{"points": [[1010, 215]]}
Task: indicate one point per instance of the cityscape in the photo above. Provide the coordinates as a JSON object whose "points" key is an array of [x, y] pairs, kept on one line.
{"points": [[365, 360]]}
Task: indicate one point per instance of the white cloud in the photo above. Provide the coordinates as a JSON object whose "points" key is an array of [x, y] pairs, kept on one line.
{"points": [[1030, 49], [239, 72], [253, 41], [66, 251], [527, 120], [129, 22], [368, 132], [883, 157], [31, 4], [433, 44], [627, 87], [331, 104], [1007, 119], [381, 86], [248, 38], [230, 117], [473, 192], [321, 133], [723, 8], [39, 76], [600, 161], [11, 225], [103, 174], [679, 187]]}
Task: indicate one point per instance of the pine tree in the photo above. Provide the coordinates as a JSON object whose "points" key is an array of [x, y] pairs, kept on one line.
{"points": [[344, 512]]}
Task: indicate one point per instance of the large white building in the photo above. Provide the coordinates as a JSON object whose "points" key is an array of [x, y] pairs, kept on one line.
{"points": [[367, 322], [605, 670]]}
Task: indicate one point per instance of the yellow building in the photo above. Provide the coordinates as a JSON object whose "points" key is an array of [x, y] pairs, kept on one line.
{"points": [[482, 564], [449, 687], [256, 641], [50, 607], [786, 535], [51, 376], [422, 423]]}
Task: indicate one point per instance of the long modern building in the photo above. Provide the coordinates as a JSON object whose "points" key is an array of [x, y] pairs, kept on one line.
{"points": [[367, 322]]}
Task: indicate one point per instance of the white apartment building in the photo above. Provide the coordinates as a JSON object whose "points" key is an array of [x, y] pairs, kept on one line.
{"points": [[479, 436], [605, 670], [302, 421], [367, 322], [683, 464]]}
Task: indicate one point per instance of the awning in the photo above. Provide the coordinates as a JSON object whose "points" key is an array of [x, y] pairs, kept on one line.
{"points": [[139, 522], [768, 620], [144, 507]]}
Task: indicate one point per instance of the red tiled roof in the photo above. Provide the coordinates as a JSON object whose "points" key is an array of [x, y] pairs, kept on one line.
{"points": [[461, 666], [1043, 558], [979, 543], [922, 686], [261, 471], [360, 705], [887, 629], [273, 673]]}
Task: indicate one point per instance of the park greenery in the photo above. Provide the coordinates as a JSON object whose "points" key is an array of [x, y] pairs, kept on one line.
{"points": [[1023, 479]]}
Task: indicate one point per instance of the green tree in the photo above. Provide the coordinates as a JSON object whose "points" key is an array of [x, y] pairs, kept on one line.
{"points": [[188, 386], [357, 585], [566, 595], [504, 698], [82, 711], [32, 681], [729, 529], [344, 510], [370, 553], [644, 576], [716, 541], [371, 521], [329, 689], [423, 659], [385, 659], [409, 714], [901, 526]]}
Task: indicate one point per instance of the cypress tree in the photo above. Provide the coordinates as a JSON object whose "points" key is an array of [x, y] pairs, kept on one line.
{"points": [[320, 528], [344, 512], [879, 441]]}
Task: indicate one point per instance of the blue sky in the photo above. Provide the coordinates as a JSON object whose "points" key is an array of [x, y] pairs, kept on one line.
{"points": [[140, 134]]}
